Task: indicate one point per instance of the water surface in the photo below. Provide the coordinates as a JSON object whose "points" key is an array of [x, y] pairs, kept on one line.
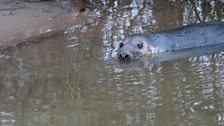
{"points": [[74, 78]]}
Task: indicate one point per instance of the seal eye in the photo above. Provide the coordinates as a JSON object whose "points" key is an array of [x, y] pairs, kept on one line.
{"points": [[121, 45], [140, 46]]}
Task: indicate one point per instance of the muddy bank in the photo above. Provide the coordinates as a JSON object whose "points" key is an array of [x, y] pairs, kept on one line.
{"points": [[23, 21]]}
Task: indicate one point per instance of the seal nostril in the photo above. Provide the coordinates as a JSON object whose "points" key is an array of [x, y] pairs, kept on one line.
{"points": [[123, 56], [126, 56], [120, 56]]}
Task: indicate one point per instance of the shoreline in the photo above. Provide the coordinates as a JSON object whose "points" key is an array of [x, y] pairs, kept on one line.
{"points": [[24, 21]]}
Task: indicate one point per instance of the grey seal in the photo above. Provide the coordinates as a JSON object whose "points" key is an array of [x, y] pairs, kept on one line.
{"points": [[186, 37]]}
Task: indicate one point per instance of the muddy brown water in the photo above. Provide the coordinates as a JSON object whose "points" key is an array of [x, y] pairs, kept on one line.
{"points": [[74, 78]]}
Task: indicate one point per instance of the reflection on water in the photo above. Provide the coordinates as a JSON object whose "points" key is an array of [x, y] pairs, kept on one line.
{"points": [[75, 78]]}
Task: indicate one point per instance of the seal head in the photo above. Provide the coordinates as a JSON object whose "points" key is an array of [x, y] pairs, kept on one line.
{"points": [[134, 46], [186, 37]]}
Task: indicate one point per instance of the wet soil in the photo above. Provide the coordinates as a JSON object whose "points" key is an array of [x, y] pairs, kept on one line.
{"points": [[23, 21]]}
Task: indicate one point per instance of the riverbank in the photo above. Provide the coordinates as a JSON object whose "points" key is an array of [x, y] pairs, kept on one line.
{"points": [[22, 21]]}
